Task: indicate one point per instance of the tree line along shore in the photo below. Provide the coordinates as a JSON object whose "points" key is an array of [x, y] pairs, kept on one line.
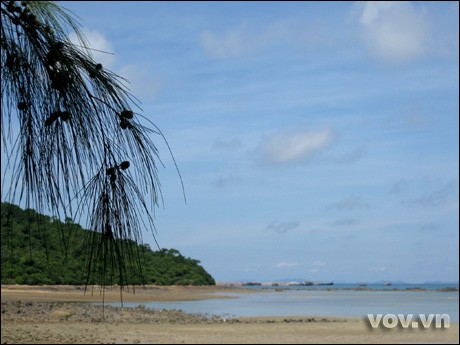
{"points": [[38, 249]]}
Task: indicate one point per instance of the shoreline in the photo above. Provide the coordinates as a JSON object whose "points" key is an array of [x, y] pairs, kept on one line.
{"points": [[61, 314], [156, 293], [148, 293]]}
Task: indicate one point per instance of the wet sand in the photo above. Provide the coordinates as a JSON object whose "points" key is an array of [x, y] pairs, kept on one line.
{"points": [[50, 315], [149, 293]]}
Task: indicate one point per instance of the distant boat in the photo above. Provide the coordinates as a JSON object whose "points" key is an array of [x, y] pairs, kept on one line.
{"points": [[387, 284], [330, 283], [252, 284]]}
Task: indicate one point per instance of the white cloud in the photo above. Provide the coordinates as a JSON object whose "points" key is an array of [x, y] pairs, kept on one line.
{"points": [[400, 186], [223, 181], [227, 144], [290, 146], [395, 31], [354, 155], [142, 82], [319, 263], [285, 264], [410, 118], [435, 198], [100, 48], [283, 227], [377, 269], [234, 43], [247, 38], [344, 222], [349, 203], [431, 226]]}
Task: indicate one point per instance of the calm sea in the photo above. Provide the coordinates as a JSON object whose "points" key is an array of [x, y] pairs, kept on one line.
{"points": [[323, 301]]}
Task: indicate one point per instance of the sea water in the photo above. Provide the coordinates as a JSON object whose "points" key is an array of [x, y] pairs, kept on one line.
{"points": [[319, 302]]}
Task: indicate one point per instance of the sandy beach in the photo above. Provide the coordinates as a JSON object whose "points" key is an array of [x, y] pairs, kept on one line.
{"points": [[148, 293], [59, 314]]}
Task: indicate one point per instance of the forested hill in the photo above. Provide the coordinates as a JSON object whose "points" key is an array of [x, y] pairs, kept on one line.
{"points": [[33, 252]]}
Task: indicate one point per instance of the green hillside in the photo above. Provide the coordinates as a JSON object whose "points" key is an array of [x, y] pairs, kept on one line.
{"points": [[38, 249]]}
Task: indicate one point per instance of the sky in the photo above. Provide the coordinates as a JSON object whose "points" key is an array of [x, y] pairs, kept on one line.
{"points": [[316, 140]]}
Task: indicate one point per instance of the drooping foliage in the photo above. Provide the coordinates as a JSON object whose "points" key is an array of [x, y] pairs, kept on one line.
{"points": [[73, 140]]}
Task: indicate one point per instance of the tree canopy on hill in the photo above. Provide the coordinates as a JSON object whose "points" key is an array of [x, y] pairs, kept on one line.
{"points": [[38, 249], [73, 138]]}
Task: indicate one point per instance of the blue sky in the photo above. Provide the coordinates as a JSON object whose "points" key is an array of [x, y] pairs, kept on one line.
{"points": [[315, 140]]}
